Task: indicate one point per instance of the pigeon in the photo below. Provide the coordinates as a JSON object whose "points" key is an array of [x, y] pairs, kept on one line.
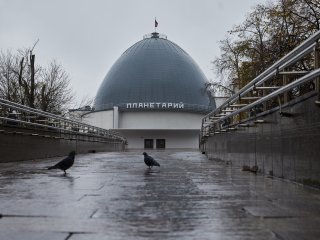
{"points": [[65, 163], [149, 161]]}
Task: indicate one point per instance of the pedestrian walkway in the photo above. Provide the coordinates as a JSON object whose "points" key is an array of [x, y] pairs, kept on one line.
{"points": [[115, 196]]}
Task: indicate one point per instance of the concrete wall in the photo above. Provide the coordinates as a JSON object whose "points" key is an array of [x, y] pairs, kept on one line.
{"points": [[174, 138], [145, 120], [103, 119], [180, 129], [287, 147], [159, 120], [18, 144]]}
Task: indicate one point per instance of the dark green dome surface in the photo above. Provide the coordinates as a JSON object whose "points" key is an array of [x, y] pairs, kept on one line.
{"points": [[154, 70]]}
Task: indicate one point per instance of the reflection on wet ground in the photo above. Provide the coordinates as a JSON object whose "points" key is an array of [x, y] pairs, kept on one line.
{"points": [[115, 196]]}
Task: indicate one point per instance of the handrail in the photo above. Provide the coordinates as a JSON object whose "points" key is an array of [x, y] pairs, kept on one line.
{"points": [[284, 89], [67, 124], [211, 122], [293, 56]]}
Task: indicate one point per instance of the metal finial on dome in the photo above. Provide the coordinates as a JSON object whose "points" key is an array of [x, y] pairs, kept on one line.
{"points": [[155, 35]]}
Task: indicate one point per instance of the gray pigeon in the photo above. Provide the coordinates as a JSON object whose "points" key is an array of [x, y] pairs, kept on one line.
{"points": [[149, 161], [65, 163]]}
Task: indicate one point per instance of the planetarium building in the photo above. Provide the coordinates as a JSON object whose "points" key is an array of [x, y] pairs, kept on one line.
{"points": [[155, 95]]}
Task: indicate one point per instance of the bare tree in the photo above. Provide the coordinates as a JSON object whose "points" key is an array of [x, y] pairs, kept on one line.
{"points": [[7, 76], [24, 82], [54, 94]]}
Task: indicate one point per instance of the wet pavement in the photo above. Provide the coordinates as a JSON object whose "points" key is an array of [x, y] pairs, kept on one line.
{"points": [[115, 196]]}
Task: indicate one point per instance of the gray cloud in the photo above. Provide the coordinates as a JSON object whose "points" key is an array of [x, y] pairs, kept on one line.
{"points": [[87, 37]]}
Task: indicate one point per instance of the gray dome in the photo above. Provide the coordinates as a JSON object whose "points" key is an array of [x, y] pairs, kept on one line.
{"points": [[154, 70]]}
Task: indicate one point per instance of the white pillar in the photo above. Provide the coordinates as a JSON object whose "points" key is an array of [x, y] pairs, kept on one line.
{"points": [[115, 117]]}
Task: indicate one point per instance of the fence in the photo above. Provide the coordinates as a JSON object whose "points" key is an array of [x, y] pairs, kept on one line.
{"points": [[17, 115], [273, 88], [27, 133]]}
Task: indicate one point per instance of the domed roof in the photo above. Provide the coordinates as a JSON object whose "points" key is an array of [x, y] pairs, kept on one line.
{"points": [[154, 70]]}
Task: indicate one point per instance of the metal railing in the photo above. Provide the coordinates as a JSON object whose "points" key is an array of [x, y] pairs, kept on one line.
{"points": [[155, 35], [17, 115], [270, 89]]}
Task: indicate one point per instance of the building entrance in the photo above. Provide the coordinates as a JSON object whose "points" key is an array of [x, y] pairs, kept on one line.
{"points": [[161, 143], [148, 143]]}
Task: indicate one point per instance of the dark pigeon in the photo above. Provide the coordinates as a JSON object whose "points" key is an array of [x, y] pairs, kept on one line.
{"points": [[65, 163], [149, 161]]}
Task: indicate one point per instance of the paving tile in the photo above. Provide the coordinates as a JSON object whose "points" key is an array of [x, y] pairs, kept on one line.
{"points": [[18, 235], [115, 196]]}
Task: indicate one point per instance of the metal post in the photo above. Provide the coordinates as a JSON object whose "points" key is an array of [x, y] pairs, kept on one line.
{"points": [[316, 66], [285, 81], [263, 95]]}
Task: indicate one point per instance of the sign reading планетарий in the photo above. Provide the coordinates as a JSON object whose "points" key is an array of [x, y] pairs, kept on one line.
{"points": [[156, 105]]}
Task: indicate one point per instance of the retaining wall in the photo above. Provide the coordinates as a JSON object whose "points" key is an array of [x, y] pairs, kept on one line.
{"points": [[287, 147], [17, 144]]}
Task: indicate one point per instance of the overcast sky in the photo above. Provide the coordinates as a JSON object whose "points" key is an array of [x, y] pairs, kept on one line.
{"points": [[88, 36]]}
